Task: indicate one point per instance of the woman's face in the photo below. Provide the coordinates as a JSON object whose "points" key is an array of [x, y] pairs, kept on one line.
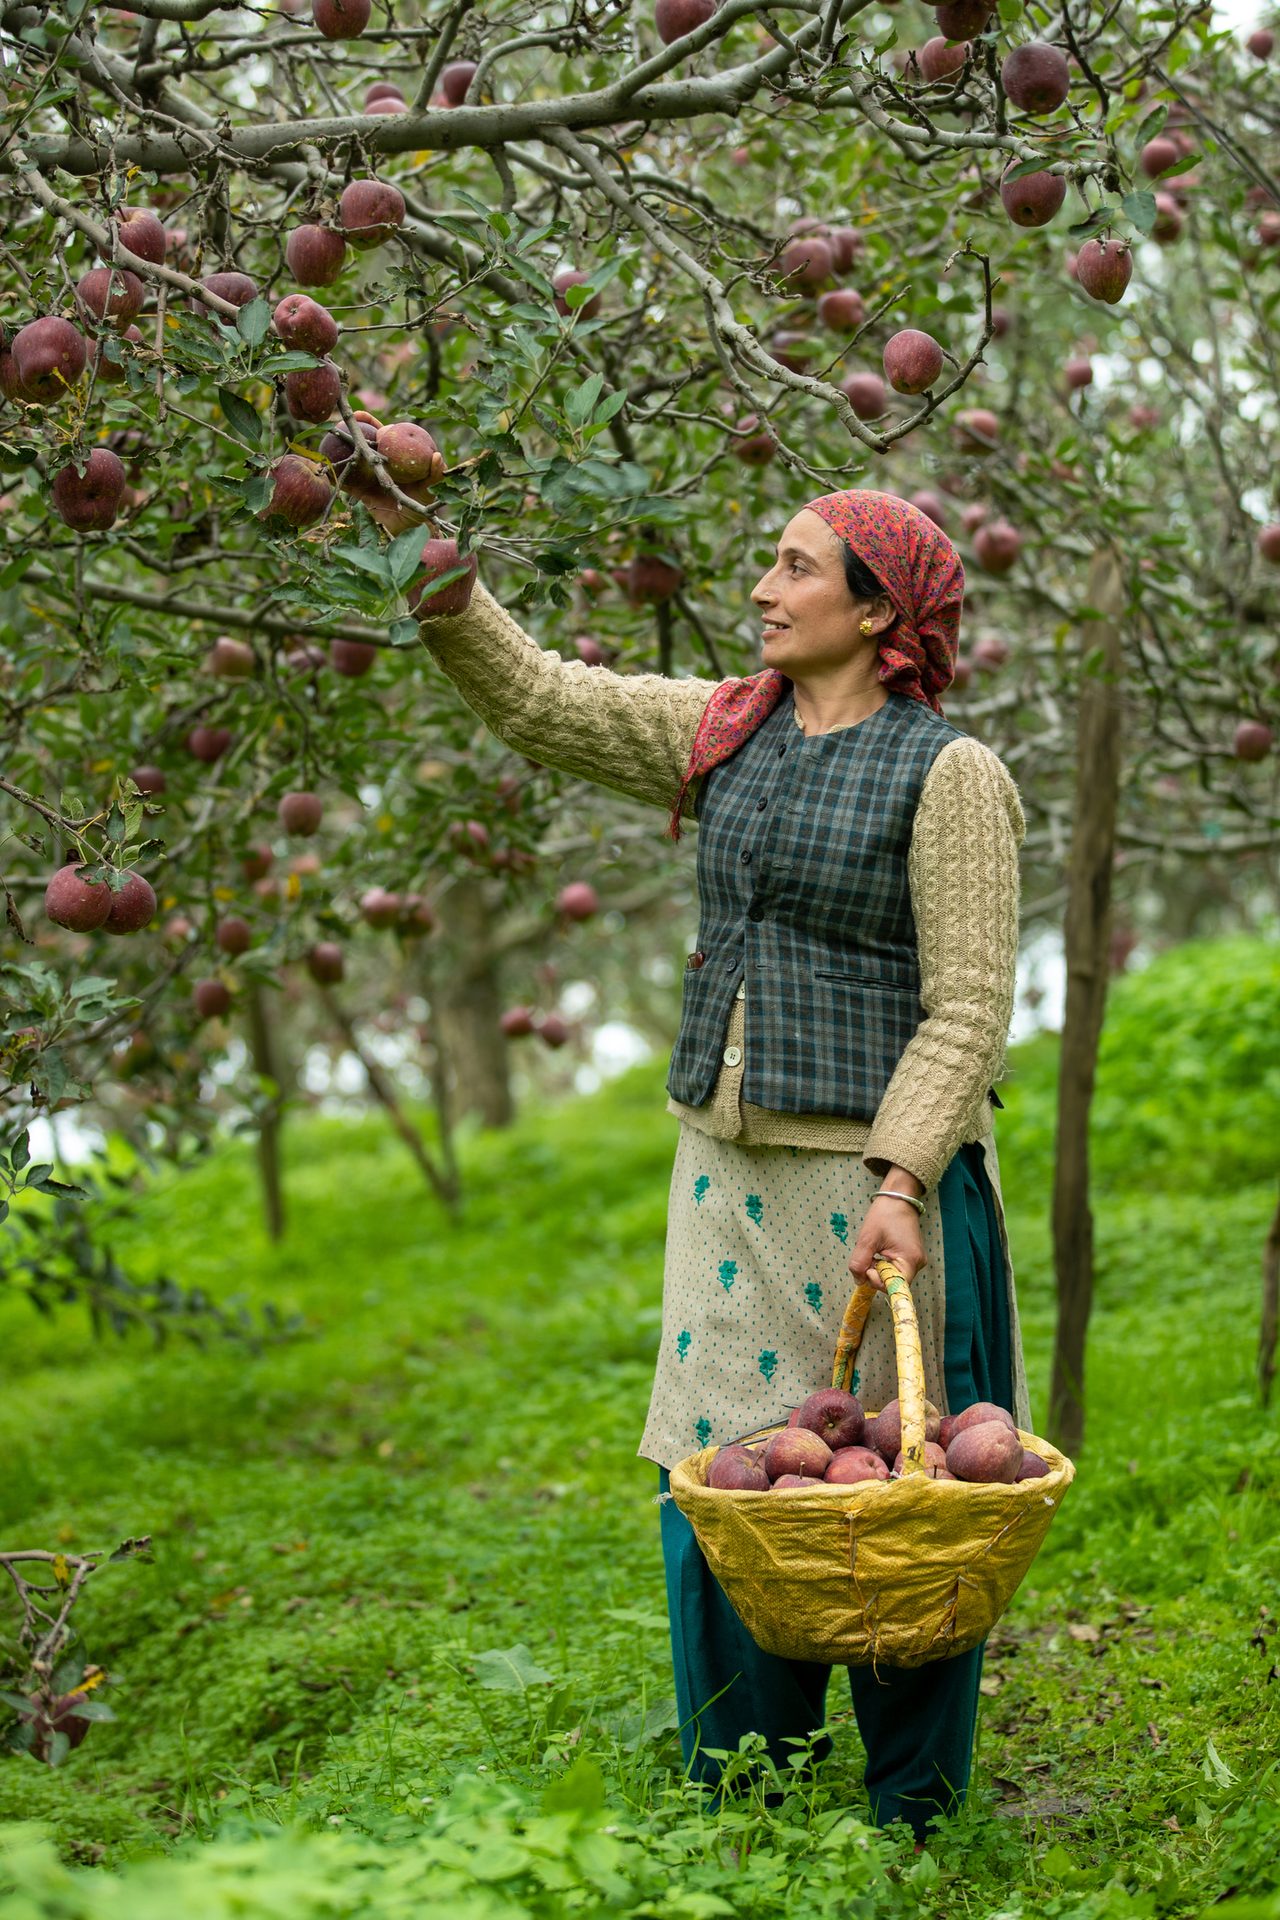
{"points": [[811, 619]]}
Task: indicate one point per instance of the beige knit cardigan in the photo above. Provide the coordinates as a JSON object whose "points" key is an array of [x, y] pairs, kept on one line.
{"points": [[634, 732]]}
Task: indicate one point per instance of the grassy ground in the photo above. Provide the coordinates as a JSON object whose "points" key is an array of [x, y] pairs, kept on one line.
{"points": [[403, 1636]]}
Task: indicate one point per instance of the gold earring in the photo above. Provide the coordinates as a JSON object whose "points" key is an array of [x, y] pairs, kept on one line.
{"points": [[866, 626]]}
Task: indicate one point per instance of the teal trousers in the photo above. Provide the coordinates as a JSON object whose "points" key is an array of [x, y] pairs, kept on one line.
{"points": [[917, 1723]]}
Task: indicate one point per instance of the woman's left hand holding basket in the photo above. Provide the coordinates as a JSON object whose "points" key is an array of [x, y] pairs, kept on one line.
{"points": [[891, 1230]]}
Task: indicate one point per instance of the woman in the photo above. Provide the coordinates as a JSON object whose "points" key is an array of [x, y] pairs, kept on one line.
{"points": [[845, 1015]]}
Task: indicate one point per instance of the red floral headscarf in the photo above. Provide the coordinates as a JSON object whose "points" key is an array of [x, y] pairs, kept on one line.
{"points": [[922, 574]]}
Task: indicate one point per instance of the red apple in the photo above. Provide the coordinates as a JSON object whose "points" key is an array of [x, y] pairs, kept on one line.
{"points": [[303, 324], [255, 861], [912, 361], [110, 295], [796, 1450], [142, 233], [209, 743], [411, 454], [651, 578], [300, 812], [1033, 1467], [379, 908], [938, 58], [1036, 77], [1104, 269], [371, 212], [736, 1469], [570, 277], [792, 350], [805, 262], [841, 310], [852, 1465], [1253, 740], [233, 935], [455, 78], [988, 1452], [1261, 43], [930, 506], [865, 394], [935, 1461], [753, 449], [212, 999], [977, 430], [417, 916], [315, 255], [351, 658], [676, 18], [325, 963], [980, 1414], [578, 901], [438, 558], [104, 368], [341, 19], [229, 659], [516, 1022], [89, 501], [962, 19], [300, 493], [313, 393], [133, 907], [236, 288], [553, 1030], [382, 90], [846, 244], [888, 1437], [72, 902], [1078, 373], [149, 779], [1168, 222], [996, 546], [1158, 156], [1033, 200], [49, 356], [990, 653], [834, 1416], [1268, 542]]}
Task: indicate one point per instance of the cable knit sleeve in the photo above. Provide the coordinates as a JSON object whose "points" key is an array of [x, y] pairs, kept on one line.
{"points": [[629, 731], [963, 870]]}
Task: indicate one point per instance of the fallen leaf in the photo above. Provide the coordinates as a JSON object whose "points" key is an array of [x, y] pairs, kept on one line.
{"points": [[1154, 1733], [1081, 1630]]}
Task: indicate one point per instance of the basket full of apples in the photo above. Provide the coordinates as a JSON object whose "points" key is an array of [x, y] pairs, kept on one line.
{"points": [[898, 1537]]}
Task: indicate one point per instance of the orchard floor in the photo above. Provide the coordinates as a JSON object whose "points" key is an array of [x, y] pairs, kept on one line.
{"points": [[403, 1641]]}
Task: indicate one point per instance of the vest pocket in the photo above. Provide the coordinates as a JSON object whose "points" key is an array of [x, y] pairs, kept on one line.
{"points": [[875, 981]]}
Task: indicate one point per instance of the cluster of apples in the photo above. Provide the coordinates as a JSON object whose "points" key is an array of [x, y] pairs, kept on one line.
{"points": [[829, 1441]]}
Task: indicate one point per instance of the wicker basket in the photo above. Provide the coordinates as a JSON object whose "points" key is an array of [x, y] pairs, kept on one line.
{"points": [[898, 1571]]}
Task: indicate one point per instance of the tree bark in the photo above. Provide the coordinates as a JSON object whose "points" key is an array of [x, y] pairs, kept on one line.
{"points": [[1087, 934], [444, 1188], [267, 1064], [1270, 1327], [467, 1010]]}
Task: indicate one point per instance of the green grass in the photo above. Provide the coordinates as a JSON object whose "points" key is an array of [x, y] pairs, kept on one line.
{"points": [[347, 1527]]}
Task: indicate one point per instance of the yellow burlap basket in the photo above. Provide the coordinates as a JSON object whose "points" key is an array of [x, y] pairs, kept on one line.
{"points": [[897, 1572]]}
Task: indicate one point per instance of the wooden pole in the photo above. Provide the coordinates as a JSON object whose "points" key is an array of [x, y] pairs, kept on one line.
{"points": [[1086, 934]]}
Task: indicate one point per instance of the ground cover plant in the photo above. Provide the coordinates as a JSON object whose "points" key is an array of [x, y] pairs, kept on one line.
{"points": [[403, 1635]]}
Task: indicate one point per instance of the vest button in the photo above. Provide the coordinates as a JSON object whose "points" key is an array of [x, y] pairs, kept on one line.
{"points": [[761, 805], [781, 751], [755, 913], [746, 856], [732, 1056]]}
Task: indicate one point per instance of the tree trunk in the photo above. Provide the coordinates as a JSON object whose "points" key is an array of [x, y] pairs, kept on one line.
{"points": [[1270, 1328], [383, 1089], [467, 1010], [267, 1064], [1087, 934]]}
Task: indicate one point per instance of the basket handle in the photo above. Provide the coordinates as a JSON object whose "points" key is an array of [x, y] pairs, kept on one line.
{"points": [[906, 1343]]}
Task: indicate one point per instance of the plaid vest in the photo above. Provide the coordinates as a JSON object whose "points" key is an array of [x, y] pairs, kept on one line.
{"points": [[803, 888]]}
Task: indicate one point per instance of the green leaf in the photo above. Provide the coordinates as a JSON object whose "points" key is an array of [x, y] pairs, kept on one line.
{"points": [[403, 633], [95, 984], [1009, 9], [579, 404], [1098, 218], [253, 322], [37, 1175], [21, 1151], [1140, 208], [240, 416], [614, 403], [511, 1670], [291, 362], [1154, 123], [579, 1791], [404, 554], [368, 560], [257, 491]]}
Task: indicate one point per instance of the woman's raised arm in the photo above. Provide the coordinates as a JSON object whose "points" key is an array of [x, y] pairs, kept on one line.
{"points": [[630, 732]]}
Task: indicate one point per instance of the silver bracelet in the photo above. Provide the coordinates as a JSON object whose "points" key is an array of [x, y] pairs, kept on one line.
{"points": [[891, 1193]]}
